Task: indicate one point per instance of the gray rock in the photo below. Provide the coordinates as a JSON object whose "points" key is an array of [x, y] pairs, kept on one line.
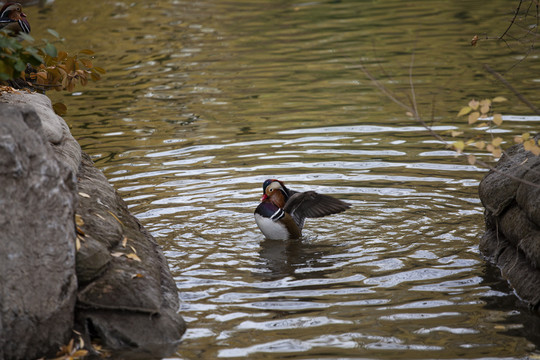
{"points": [[512, 237], [53, 198], [37, 243], [133, 302]]}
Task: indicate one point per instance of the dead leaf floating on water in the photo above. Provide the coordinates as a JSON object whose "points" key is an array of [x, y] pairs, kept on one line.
{"points": [[85, 195], [474, 40]]}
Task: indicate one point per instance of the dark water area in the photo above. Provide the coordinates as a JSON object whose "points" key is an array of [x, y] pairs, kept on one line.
{"points": [[204, 100]]}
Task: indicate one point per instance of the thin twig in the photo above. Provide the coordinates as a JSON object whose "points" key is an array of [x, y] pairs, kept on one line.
{"points": [[513, 19], [511, 88], [411, 109]]}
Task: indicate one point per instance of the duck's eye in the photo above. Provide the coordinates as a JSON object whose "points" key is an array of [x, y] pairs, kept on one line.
{"points": [[271, 190]]}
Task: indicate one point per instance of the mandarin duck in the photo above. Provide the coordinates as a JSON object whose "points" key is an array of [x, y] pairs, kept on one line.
{"points": [[12, 18], [282, 212]]}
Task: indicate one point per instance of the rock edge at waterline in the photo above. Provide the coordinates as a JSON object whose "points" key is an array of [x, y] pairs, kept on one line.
{"points": [[71, 254], [512, 216]]}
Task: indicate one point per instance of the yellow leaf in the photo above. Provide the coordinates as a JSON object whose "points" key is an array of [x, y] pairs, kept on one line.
{"points": [[79, 220], [124, 241], [482, 125], [473, 104], [497, 119], [480, 144], [133, 249], [485, 102], [471, 159], [497, 141], [518, 139], [473, 117], [525, 136], [80, 231], [499, 99], [77, 243], [79, 353], [530, 145], [496, 152], [464, 111], [456, 133], [485, 105], [490, 147], [117, 254], [136, 276], [85, 195], [410, 114], [459, 145], [133, 257]]}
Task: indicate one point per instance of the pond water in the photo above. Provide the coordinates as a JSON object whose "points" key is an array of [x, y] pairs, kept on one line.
{"points": [[204, 100]]}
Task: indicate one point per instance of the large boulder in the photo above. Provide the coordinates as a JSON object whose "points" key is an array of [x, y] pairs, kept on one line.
{"points": [[510, 194], [71, 254], [37, 243]]}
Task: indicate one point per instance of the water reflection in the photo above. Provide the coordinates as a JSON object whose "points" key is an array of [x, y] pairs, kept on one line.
{"points": [[293, 258]]}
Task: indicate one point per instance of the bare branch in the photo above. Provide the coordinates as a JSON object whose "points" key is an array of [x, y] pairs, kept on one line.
{"points": [[511, 88], [513, 20], [412, 110]]}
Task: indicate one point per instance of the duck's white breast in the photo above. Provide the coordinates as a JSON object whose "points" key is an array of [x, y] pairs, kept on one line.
{"points": [[271, 230]]}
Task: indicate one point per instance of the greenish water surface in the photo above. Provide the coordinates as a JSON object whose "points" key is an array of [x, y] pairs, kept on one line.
{"points": [[204, 100]]}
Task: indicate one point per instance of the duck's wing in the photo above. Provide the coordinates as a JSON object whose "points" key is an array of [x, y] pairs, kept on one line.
{"points": [[310, 204]]}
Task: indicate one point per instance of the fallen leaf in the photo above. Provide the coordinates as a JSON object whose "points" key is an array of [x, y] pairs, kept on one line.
{"points": [[79, 220], [456, 133], [137, 276], [497, 119], [117, 254], [497, 152], [77, 243], [471, 159], [84, 195], [124, 241], [499, 99], [133, 249], [114, 216], [133, 257], [474, 40], [80, 231]]}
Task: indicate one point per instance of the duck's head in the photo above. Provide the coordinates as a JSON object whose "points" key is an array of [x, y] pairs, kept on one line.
{"points": [[13, 11], [276, 191]]}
